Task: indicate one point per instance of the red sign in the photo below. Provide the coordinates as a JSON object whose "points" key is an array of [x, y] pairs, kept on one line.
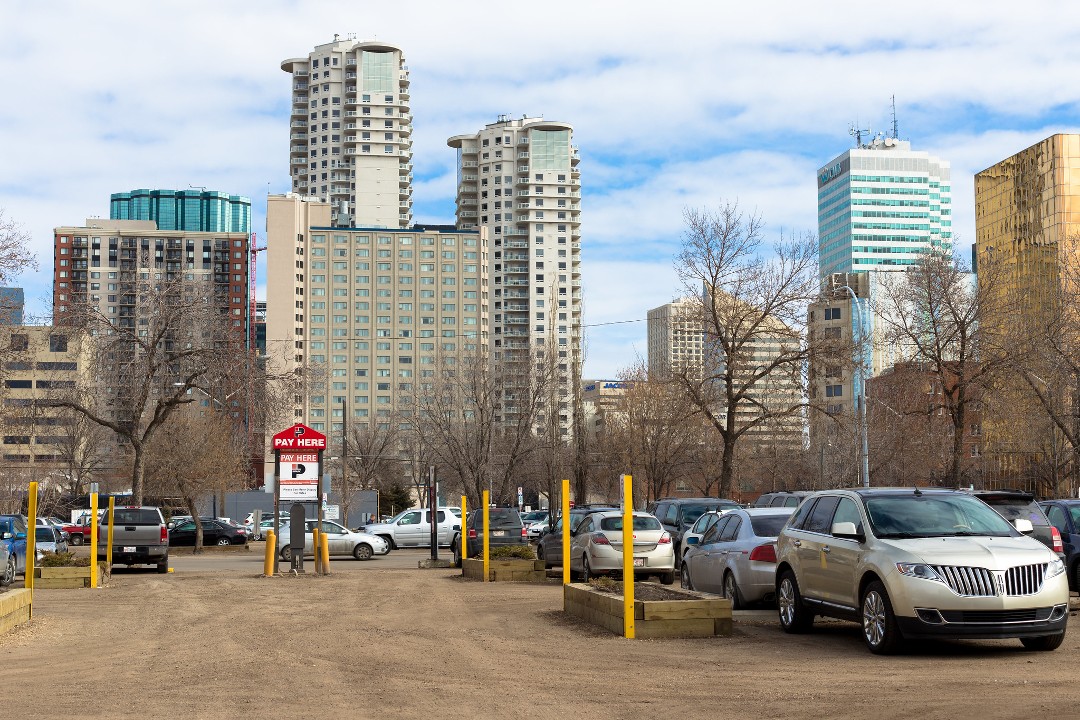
{"points": [[299, 437]]}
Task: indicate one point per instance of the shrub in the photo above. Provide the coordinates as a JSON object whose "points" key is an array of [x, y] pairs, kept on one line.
{"points": [[507, 552], [63, 559], [605, 584]]}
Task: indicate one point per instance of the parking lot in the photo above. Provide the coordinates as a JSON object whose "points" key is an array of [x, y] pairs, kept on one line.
{"points": [[383, 639]]}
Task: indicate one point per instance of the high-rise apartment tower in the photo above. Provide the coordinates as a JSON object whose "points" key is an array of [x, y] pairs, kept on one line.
{"points": [[351, 132]]}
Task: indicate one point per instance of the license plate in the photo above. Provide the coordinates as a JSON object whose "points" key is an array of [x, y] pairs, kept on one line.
{"points": [[639, 562], [498, 533], [129, 549]]}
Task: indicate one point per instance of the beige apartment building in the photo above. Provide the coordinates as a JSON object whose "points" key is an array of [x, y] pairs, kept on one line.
{"points": [[675, 336], [518, 180], [367, 313], [350, 132]]}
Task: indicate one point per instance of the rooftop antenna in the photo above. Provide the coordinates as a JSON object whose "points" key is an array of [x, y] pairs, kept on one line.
{"points": [[895, 129], [855, 132]]}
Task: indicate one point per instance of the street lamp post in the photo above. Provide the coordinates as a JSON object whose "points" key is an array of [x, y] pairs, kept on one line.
{"points": [[864, 452]]}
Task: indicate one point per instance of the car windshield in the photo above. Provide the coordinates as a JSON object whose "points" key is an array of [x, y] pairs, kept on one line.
{"points": [[641, 522], [135, 516], [1013, 508], [44, 535], [933, 515], [768, 525], [1074, 511], [692, 512]]}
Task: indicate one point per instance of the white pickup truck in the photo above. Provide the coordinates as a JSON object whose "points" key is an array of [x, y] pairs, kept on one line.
{"points": [[139, 537], [412, 528]]}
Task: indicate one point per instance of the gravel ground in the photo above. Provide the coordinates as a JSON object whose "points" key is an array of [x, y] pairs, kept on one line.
{"points": [[405, 643]]}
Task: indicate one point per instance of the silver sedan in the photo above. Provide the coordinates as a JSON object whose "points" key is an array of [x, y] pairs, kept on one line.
{"points": [[597, 544], [341, 541], [737, 556]]}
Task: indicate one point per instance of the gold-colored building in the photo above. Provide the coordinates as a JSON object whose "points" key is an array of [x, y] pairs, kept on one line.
{"points": [[1027, 217]]}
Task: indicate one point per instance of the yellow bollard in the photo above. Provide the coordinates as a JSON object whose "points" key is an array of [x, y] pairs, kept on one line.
{"points": [[324, 549], [93, 539], [487, 561], [628, 557], [315, 549], [463, 536], [268, 557], [565, 532], [31, 539], [108, 550]]}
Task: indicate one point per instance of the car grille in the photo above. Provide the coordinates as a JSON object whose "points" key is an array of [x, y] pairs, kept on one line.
{"points": [[996, 616], [980, 582]]}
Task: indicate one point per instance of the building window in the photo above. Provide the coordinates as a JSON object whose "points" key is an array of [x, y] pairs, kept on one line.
{"points": [[834, 391], [58, 343]]}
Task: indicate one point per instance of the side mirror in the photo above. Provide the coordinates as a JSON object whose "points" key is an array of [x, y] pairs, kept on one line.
{"points": [[20, 536], [693, 540], [847, 531], [1023, 525]]}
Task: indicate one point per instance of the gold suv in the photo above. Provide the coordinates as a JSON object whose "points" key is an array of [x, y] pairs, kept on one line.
{"points": [[910, 563]]}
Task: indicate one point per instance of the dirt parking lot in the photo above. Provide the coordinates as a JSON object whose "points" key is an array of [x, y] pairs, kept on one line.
{"points": [[391, 642]]}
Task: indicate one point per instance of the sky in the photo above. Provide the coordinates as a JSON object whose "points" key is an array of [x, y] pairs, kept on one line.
{"points": [[674, 105]]}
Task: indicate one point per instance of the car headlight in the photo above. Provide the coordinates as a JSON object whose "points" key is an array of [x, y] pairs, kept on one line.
{"points": [[918, 570], [1055, 568]]}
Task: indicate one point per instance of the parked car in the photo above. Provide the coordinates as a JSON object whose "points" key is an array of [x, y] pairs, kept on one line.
{"points": [[782, 498], [737, 555], [549, 549], [536, 528], [412, 528], [13, 543], [56, 523], [597, 547], [504, 528], [1064, 516], [912, 563], [1012, 504], [265, 527], [139, 537], [48, 539], [528, 518], [215, 532], [341, 541], [698, 530], [678, 515]]}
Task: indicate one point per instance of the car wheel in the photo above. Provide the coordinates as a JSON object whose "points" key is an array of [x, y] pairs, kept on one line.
{"points": [[224, 541], [456, 547], [163, 567], [880, 630], [667, 578], [794, 618], [540, 555], [362, 552], [731, 591], [586, 571], [684, 576], [286, 553], [1076, 577], [389, 542], [1043, 643], [77, 539], [9, 573]]}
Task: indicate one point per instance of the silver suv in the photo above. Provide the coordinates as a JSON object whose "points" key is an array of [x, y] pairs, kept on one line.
{"points": [[910, 563]]}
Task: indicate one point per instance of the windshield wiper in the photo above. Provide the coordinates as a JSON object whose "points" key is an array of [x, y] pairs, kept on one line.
{"points": [[901, 536]]}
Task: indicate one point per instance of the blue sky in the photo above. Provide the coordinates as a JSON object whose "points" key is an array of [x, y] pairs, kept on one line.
{"points": [[675, 105]]}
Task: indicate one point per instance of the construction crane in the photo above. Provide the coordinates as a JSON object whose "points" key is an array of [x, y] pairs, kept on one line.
{"points": [[255, 250]]}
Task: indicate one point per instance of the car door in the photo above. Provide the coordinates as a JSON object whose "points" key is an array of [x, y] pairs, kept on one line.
{"points": [[809, 541], [578, 540], [726, 545], [408, 531], [183, 534], [337, 538], [706, 561], [840, 558]]}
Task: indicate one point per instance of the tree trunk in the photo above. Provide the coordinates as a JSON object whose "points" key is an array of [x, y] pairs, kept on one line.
{"points": [[190, 503], [727, 467], [137, 473]]}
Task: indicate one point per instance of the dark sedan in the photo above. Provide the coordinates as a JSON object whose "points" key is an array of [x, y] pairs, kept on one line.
{"points": [[1064, 515], [215, 532]]}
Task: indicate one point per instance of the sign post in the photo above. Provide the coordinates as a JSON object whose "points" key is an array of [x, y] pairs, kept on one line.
{"points": [[298, 468]]}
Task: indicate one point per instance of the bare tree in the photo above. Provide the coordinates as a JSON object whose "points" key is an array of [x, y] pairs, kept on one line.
{"points": [[934, 313], [753, 308], [85, 449], [15, 254], [174, 349], [371, 457]]}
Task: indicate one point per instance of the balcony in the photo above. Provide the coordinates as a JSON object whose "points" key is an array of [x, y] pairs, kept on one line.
{"points": [[298, 124], [469, 163], [523, 169], [350, 89], [300, 73], [298, 161], [351, 139], [300, 100], [469, 150], [523, 140], [350, 76], [300, 86], [298, 150], [298, 136], [523, 156]]}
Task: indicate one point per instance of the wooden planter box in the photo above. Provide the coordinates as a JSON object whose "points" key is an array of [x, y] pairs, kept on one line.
{"points": [[696, 616], [14, 609], [514, 570], [65, 577]]}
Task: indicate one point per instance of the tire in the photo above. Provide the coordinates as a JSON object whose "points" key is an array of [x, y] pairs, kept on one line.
{"points": [[9, 573], [1043, 643], [667, 578], [586, 571], [540, 555], [163, 567], [880, 629], [731, 591], [457, 554], [1076, 577], [362, 551], [77, 539], [794, 618], [222, 541], [684, 576], [286, 553], [389, 542]]}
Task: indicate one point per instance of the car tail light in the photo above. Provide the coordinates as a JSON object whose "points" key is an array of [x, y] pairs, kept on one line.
{"points": [[600, 539], [665, 539], [524, 532], [164, 534], [764, 553], [472, 533], [1056, 535]]}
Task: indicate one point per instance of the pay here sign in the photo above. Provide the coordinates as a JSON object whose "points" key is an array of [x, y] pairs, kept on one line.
{"points": [[299, 477]]}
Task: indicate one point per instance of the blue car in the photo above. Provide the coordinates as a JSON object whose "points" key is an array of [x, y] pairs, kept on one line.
{"points": [[12, 547], [1065, 516]]}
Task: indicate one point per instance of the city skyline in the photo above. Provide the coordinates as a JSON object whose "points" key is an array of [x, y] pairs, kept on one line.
{"points": [[702, 105]]}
